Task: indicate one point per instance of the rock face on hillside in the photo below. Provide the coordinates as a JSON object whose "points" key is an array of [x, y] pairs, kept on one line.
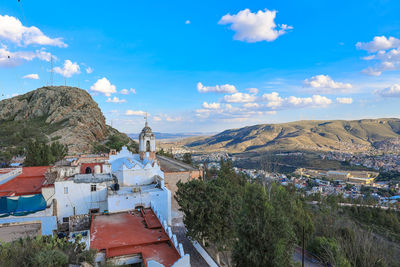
{"points": [[339, 135], [76, 118]]}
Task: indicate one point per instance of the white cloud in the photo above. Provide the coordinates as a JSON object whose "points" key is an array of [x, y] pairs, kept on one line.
{"points": [[239, 98], [173, 119], [254, 27], [392, 91], [130, 112], [8, 58], [103, 86], [187, 22], [157, 118], [344, 100], [274, 101], [251, 105], [124, 92], [89, 70], [11, 29], [325, 84], [371, 72], [386, 52], [165, 117], [115, 100], [70, 68], [226, 88], [314, 101], [211, 105], [253, 91], [272, 112], [31, 76], [379, 43]]}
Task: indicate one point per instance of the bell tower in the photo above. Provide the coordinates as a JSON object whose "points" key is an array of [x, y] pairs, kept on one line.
{"points": [[147, 143]]}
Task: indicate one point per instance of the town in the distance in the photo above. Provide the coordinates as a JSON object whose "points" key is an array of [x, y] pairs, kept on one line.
{"points": [[200, 133], [146, 199]]}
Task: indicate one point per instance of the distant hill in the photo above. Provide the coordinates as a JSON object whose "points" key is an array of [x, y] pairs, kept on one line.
{"points": [[159, 135], [66, 114], [356, 135]]}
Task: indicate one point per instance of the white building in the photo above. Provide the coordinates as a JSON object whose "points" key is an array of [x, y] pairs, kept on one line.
{"points": [[82, 194], [133, 171], [140, 178], [134, 180]]}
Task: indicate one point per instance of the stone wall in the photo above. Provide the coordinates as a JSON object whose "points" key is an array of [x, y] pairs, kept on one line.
{"points": [[172, 178]]}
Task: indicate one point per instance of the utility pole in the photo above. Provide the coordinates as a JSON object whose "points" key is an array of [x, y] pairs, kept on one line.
{"points": [[302, 254], [51, 72]]}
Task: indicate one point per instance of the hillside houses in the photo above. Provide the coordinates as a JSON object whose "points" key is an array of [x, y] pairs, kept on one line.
{"points": [[118, 202]]}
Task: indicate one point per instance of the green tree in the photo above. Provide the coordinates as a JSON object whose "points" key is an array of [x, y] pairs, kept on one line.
{"points": [[329, 251], [115, 142], [211, 208], [58, 150], [187, 158], [191, 198], [41, 154], [264, 235], [224, 197], [45, 251]]}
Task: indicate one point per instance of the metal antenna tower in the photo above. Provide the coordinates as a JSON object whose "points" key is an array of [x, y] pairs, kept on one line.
{"points": [[51, 72]]}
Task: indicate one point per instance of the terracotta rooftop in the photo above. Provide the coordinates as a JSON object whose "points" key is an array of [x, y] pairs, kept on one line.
{"points": [[30, 181], [131, 233]]}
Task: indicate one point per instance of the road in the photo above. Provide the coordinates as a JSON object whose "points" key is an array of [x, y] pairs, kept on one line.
{"points": [[354, 205], [196, 260], [308, 260]]}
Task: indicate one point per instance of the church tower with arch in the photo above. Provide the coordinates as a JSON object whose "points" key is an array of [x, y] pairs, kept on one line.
{"points": [[147, 143]]}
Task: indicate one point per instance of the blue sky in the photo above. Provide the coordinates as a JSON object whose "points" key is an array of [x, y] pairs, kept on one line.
{"points": [[209, 65]]}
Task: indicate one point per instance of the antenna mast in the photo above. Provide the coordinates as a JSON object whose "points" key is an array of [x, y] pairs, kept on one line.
{"points": [[51, 72]]}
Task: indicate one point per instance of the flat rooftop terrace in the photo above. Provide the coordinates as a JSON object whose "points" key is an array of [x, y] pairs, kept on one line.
{"points": [[133, 233], [30, 181]]}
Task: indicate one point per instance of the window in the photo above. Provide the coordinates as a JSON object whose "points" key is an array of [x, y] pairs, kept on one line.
{"points": [[65, 190], [65, 219], [93, 188], [93, 211], [148, 146]]}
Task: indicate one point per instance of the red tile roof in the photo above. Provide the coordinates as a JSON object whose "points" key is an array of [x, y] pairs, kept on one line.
{"points": [[128, 234], [30, 181]]}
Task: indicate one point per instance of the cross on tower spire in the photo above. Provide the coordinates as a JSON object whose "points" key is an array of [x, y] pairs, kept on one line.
{"points": [[146, 118]]}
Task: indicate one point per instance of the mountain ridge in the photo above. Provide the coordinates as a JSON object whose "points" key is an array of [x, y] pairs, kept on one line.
{"points": [[323, 135], [63, 113]]}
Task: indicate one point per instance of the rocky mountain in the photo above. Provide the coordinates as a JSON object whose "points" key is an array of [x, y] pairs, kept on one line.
{"points": [[66, 114], [356, 135]]}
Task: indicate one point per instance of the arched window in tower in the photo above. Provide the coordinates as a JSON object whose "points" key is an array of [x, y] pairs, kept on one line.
{"points": [[148, 146]]}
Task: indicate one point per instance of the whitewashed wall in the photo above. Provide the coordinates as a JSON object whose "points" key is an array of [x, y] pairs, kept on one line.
{"points": [[137, 176], [126, 200], [79, 196]]}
